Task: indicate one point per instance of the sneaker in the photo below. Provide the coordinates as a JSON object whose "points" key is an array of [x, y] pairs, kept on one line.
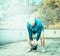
{"points": [[43, 50], [29, 50]]}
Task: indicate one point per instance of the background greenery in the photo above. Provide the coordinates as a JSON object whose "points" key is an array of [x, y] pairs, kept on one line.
{"points": [[46, 10]]}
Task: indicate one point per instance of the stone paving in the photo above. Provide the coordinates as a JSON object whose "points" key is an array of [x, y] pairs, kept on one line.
{"points": [[52, 47]]}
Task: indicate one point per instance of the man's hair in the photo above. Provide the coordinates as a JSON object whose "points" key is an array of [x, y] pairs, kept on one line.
{"points": [[31, 20]]}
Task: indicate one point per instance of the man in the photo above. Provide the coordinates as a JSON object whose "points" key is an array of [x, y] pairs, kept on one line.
{"points": [[35, 27]]}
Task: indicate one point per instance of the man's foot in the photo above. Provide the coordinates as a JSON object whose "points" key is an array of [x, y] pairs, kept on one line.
{"points": [[43, 50], [29, 50]]}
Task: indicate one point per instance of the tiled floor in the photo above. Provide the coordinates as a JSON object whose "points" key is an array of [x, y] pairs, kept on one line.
{"points": [[52, 47]]}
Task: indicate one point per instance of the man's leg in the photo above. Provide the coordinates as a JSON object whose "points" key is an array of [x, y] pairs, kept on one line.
{"points": [[42, 41], [29, 40]]}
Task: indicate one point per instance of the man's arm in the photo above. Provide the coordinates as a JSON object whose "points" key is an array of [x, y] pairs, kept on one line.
{"points": [[29, 33]]}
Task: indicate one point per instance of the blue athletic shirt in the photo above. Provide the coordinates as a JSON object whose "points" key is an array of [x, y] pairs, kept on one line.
{"points": [[37, 25]]}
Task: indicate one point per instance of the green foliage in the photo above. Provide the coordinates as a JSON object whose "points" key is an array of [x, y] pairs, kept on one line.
{"points": [[49, 12]]}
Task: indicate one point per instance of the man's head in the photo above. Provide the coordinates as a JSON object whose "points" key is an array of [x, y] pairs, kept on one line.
{"points": [[31, 21]]}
